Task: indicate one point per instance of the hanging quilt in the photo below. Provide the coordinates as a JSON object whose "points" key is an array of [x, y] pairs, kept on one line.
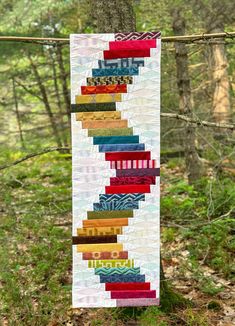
{"points": [[115, 103]]}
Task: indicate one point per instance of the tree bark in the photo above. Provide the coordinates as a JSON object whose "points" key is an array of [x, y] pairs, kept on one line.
{"points": [[46, 101], [113, 16], [192, 160], [17, 112]]}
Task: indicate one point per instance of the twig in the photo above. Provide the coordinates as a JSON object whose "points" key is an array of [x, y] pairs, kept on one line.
{"points": [[183, 38], [31, 155]]}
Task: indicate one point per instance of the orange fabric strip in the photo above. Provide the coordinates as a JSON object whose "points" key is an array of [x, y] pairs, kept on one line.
{"points": [[105, 222], [104, 124]]}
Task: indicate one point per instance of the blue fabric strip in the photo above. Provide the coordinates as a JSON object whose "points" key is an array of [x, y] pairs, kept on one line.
{"points": [[115, 205], [121, 278], [121, 148], [115, 140], [121, 197], [121, 63], [115, 72]]}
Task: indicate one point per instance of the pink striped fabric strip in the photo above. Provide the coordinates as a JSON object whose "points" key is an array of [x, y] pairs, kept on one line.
{"points": [[135, 164]]}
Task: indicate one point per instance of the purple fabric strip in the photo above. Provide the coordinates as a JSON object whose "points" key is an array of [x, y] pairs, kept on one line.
{"points": [[137, 302], [138, 172]]}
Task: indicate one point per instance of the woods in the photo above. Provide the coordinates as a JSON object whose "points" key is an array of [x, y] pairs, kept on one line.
{"points": [[197, 160]]}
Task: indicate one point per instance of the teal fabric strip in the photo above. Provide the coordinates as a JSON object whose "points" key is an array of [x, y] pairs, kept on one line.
{"points": [[117, 271], [116, 140]]}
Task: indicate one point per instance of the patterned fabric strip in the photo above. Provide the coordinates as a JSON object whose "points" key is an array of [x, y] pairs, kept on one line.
{"points": [[117, 270], [133, 294], [110, 214], [121, 278], [107, 263], [121, 197], [110, 132], [134, 164], [116, 140], [95, 239], [103, 115], [95, 81], [115, 205], [103, 124], [137, 302], [132, 180], [121, 147], [99, 231], [91, 107], [121, 63], [137, 36], [102, 89], [98, 98], [138, 172], [110, 255], [132, 71], [105, 222]]}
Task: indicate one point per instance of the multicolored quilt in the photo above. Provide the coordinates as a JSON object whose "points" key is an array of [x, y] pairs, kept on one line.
{"points": [[115, 96]]}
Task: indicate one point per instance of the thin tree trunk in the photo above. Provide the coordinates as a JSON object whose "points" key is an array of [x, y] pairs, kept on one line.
{"points": [[17, 112], [192, 159], [57, 93], [221, 108], [63, 77], [46, 102]]}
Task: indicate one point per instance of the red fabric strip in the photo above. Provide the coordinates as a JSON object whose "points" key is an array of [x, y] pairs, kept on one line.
{"points": [[104, 89], [147, 180], [115, 54], [142, 44], [133, 294], [120, 156], [127, 286], [127, 189]]}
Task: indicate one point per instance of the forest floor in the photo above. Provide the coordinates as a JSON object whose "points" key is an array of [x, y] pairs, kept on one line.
{"points": [[197, 236]]}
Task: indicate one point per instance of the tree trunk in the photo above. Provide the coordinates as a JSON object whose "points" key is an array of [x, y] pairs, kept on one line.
{"points": [[17, 112], [218, 62], [192, 160], [46, 102]]}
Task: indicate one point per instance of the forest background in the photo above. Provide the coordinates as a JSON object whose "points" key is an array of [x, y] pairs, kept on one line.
{"points": [[197, 161]]}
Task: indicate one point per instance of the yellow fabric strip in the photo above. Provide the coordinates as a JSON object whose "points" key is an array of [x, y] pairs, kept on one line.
{"points": [[99, 98], [99, 231], [111, 263], [104, 124], [100, 247], [100, 115]]}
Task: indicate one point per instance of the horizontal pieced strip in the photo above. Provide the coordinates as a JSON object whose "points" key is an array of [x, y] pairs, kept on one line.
{"points": [[140, 302], [99, 231], [121, 63], [115, 54], [96, 81], [121, 278], [111, 263], [103, 89], [92, 107], [133, 294], [110, 214], [110, 255], [116, 140], [99, 247], [138, 172], [121, 147], [95, 239], [134, 164], [110, 132], [98, 98], [104, 124], [132, 180], [121, 197], [136, 36], [124, 189], [116, 205], [103, 115], [127, 286], [105, 222], [100, 72], [128, 156], [117, 270], [133, 44]]}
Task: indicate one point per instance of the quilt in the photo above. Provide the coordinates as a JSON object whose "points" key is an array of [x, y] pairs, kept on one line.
{"points": [[115, 117]]}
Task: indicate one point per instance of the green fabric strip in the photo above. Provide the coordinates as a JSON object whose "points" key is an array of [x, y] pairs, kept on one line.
{"points": [[92, 107], [93, 215], [110, 132]]}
